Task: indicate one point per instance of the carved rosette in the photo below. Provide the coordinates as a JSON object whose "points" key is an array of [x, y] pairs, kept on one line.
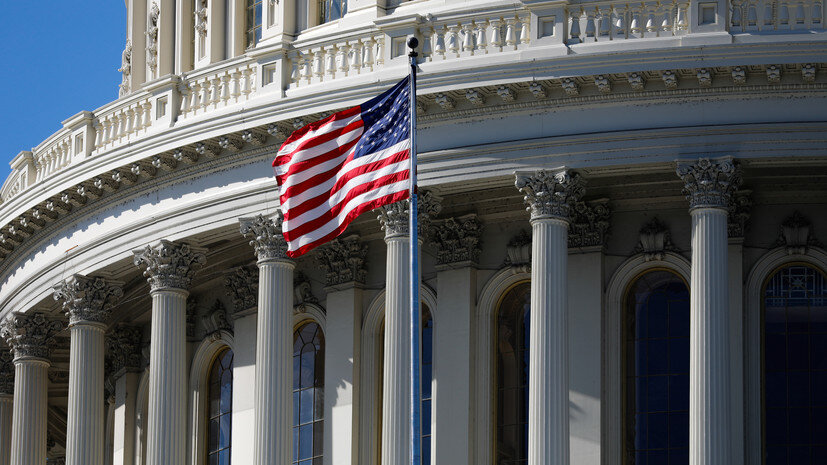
{"points": [[394, 218], [170, 265], [6, 372], [457, 239], [343, 260], [87, 299], [550, 195], [709, 184], [739, 212], [241, 285], [589, 224], [124, 346], [30, 334], [267, 237]]}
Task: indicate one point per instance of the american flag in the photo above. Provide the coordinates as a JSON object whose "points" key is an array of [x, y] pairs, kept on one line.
{"points": [[331, 171]]}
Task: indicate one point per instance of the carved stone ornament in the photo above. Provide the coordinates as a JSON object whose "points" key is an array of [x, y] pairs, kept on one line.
{"points": [[709, 184], [88, 299], [343, 261], [124, 346], [241, 285], [30, 334], [216, 319], [550, 195], [201, 18], [457, 239], [6, 372], [170, 265], [796, 234], [126, 69], [302, 290], [395, 218], [589, 226], [739, 212], [267, 238], [192, 311], [152, 37], [518, 250], [655, 240]]}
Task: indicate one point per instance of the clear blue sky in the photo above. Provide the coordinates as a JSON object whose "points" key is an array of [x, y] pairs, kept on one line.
{"points": [[57, 58]]}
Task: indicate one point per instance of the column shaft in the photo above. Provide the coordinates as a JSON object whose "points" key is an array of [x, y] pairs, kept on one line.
{"points": [[274, 364], [548, 385], [396, 382], [84, 428], [166, 424], [709, 422], [28, 436], [126, 390], [6, 406]]}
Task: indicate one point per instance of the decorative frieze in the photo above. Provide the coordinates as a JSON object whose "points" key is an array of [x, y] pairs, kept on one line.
{"points": [[655, 240], [343, 261], [394, 219], [457, 239], [550, 195], [267, 238], [636, 81], [170, 265], [739, 212], [241, 285], [709, 184], [603, 84], [518, 250], [589, 224], [124, 346], [537, 90], [30, 334], [88, 299], [796, 234], [6, 371]]}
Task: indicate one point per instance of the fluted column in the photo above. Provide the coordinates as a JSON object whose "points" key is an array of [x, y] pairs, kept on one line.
{"points": [[124, 346], [396, 385], [31, 336], [170, 268], [6, 403], [709, 187], [274, 342], [549, 197], [88, 303]]}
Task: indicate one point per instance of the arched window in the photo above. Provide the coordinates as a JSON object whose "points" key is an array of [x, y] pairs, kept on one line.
{"points": [[308, 394], [331, 10], [795, 366], [427, 378], [253, 22], [656, 349], [512, 375], [220, 409]]}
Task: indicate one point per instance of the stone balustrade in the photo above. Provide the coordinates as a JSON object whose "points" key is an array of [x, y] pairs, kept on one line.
{"points": [[122, 123], [476, 35], [346, 56], [773, 16], [605, 21], [201, 92]]}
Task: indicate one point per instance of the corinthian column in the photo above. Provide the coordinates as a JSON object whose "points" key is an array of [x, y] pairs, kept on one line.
{"points": [[274, 342], [396, 385], [88, 303], [709, 187], [170, 268], [6, 397], [549, 197], [31, 336]]}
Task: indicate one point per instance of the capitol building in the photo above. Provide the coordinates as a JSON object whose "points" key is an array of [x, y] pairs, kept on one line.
{"points": [[623, 227]]}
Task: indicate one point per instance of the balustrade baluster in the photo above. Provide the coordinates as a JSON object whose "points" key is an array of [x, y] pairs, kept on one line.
{"points": [[249, 81], [634, 27], [452, 41], [330, 61], [439, 47], [318, 64], [479, 35], [341, 58], [147, 106], [225, 87], [590, 27], [367, 53], [215, 98], [799, 16], [604, 22], [139, 118], [130, 120], [574, 29], [355, 55], [620, 23], [467, 38], [235, 88], [510, 37], [205, 93], [380, 50], [525, 32], [784, 15], [681, 22], [98, 134], [195, 96], [427, 43]]}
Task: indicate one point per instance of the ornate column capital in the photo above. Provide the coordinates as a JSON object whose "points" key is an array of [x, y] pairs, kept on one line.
{"points": [[457, 240], [394, 219], [30, 334], [124, 346], [267, 237], [709, 184], [241, 285], [550, 195], [88, 299], [170, 265], [343, 261], [6, 372]]}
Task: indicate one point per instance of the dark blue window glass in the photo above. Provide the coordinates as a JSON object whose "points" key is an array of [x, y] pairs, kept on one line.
{"points": [[331, 10], [427, 378], [795, 366], [512, 376], [657, 370], [220, 409], [308, 394]]}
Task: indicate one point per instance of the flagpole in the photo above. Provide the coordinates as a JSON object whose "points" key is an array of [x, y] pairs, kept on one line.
{"points": [[415, 429]]}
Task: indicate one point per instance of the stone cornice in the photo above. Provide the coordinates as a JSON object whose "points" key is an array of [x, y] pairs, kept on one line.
{"points": [[30, 334], [343, 260], [394, 218], [169, 265], [124, 345], [709, 184], [88, 299], [550, 195], [266, 236]]}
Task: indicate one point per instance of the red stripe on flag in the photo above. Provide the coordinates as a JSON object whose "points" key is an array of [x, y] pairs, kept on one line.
{"points": [[299, 133]]}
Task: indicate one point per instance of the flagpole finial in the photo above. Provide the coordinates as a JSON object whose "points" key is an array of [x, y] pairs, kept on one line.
{"points": [[412, 44]]}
